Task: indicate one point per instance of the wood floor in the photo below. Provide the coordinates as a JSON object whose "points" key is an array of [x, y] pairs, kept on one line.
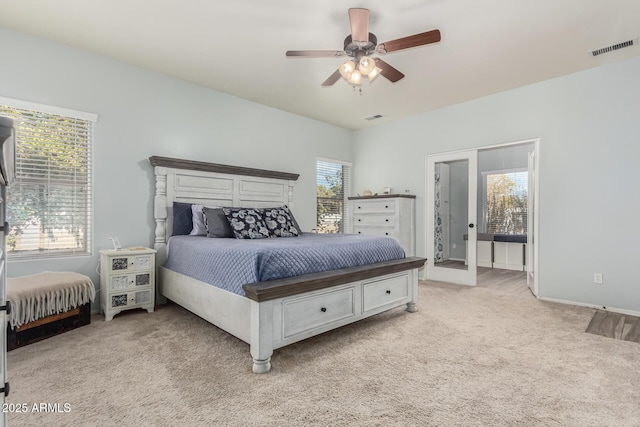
{"points": [[507, 281], [615, 325]]}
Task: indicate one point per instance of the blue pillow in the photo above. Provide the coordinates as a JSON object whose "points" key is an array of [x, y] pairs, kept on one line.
{"points": [[182, 219]]}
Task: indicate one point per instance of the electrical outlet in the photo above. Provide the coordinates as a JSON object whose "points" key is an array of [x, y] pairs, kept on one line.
{"points": [[597, 278], [454, 246]]}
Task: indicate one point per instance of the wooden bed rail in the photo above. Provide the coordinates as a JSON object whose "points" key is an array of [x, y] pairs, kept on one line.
{"points": [[273, 289]]}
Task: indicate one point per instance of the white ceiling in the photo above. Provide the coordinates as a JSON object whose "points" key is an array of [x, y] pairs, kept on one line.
{"points": [[238, 47]]}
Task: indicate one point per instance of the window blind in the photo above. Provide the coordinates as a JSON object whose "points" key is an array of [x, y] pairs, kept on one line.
{"points": [[49, 204], [333, 186], [507, 202]]}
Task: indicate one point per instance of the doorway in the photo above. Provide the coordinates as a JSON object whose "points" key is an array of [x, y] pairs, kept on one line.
{"points": [[482, 212]]}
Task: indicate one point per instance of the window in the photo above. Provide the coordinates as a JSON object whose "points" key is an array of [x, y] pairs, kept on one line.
{"points": [[333, 186], [506, 202], [49, 203]]}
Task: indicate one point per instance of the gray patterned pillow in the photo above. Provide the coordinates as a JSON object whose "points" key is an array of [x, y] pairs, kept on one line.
{"points": [[247, 223], [280, 222]]}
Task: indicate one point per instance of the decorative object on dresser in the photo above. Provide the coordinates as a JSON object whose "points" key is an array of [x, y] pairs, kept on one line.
{"points": [[46, 304], [267, 314], [127, 280], [390, 215]]}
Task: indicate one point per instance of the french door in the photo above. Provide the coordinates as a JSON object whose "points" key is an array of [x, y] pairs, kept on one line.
{"points": [[451, 217], [532, 232]]}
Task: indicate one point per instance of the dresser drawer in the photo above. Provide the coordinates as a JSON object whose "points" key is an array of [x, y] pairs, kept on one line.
{"points": [[374, 220], [375, 231], [379, 293], [374, 206], [306, 313]]}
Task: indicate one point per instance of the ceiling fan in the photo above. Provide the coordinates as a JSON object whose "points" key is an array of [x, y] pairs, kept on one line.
{"points": [[359, 45]]}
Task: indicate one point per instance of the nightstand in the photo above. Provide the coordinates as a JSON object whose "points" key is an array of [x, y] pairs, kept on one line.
{"points": [[127, 280]]}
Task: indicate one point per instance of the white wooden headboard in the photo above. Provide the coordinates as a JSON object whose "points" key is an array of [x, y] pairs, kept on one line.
{"points": [[212, 184]]}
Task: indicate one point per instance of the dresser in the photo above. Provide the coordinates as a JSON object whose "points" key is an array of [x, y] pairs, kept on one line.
{"points": [[127, 280], [390, 215]]}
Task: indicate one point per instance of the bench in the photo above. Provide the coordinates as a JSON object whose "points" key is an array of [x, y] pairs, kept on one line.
{"points": [[46, 304]]}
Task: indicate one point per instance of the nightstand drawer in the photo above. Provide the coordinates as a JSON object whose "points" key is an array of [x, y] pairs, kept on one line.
{"points": [[379, 293], [374, 206], [126, 281], [374, 220], [303, 314], [123, 263], [130, 299]]}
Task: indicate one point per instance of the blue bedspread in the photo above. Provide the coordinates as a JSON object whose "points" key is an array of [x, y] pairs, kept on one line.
{"points": [[230, 263]]}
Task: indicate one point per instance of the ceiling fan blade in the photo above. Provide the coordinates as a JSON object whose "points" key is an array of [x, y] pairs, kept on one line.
{"points": [[316, 53], [428, 37], [332, 78], [388, 71], [359, 19]]}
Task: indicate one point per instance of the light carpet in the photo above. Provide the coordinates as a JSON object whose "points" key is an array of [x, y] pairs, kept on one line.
{"points": [[468, 357]]}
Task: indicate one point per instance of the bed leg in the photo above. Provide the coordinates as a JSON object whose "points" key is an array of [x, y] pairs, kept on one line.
{"points": [[413, 285], [261, 366], [261, 345]]}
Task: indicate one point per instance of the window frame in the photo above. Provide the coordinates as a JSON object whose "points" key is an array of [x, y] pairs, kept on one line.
{"points": [[91, 118]]}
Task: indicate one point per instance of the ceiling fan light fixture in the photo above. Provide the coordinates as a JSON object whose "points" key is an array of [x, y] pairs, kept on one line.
{"points": [[355, 78], [374, 73], [347, 69], [367, 65]]}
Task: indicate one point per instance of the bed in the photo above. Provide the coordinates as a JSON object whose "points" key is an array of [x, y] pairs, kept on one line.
{"points": [[268, 314]]}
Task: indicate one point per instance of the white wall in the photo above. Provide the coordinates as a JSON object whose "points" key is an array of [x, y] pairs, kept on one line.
{"points": [[142, 113], [589, 126]]}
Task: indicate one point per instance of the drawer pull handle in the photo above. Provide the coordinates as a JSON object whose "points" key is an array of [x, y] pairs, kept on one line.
{"points": [[359, 232], [323, 309], [387, 220], [386, 206], [388, 291], [386, 234], [359, 219], [359, 207]]}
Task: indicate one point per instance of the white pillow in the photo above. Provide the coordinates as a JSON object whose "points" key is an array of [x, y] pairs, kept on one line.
{"points": [[199, 228]]}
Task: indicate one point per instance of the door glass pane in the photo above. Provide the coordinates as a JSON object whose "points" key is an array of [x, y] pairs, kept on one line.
{"points": [[451, 208]]}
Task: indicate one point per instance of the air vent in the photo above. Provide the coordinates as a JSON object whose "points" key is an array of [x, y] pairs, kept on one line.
{"points": [[628, 43], [377, 116]]}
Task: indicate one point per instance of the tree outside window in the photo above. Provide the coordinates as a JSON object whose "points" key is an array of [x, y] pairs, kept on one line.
{"points": [[331, 191], [507, 203]]}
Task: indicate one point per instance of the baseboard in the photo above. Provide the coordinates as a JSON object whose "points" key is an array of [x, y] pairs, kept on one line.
{"points": [[599, 307]]}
